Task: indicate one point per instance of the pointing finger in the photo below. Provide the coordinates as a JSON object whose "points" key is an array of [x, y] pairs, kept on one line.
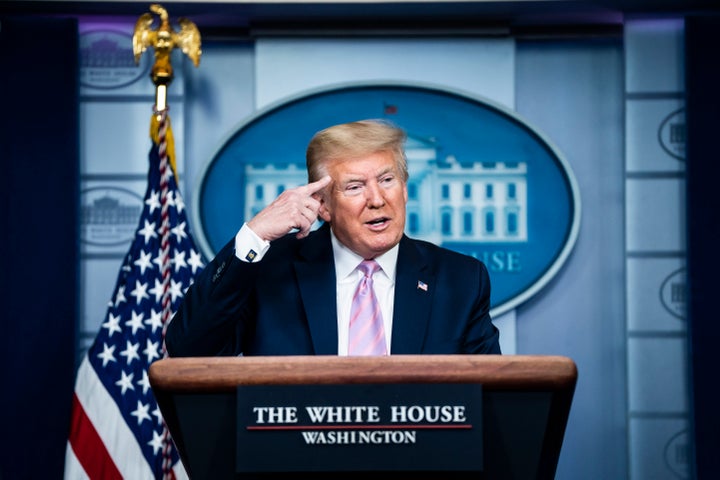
{"points": [[318, 185]]}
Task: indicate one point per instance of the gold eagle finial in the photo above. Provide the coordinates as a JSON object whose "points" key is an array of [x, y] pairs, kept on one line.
{"points": [[164, 40]]}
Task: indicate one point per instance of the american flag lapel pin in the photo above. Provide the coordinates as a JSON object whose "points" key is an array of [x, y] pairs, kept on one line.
{"points": [[422, 286]]}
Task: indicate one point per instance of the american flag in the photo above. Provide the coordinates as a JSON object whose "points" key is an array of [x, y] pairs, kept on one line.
{"points": [[117, 430], [390, 109]]}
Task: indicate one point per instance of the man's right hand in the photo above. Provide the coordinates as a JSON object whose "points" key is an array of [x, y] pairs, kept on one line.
{"points": [[296, 208]]}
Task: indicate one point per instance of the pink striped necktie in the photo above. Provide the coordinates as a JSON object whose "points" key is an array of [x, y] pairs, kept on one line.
{"points": [[367, 332]]}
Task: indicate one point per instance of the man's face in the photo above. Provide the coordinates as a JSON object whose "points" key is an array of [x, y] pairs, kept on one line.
{"points": [[365, 203]]}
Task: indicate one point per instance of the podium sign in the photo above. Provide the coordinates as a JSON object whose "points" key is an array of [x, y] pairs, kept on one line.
{"points": [[346, 428], [219, 409]]}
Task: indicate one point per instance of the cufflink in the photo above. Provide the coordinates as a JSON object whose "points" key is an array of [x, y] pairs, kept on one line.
{"points": [[251, 255]]}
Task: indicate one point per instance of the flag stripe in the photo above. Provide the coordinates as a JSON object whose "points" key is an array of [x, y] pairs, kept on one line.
{"points": [[89, 448], [179, 472], [102, 411], [73, 469]]}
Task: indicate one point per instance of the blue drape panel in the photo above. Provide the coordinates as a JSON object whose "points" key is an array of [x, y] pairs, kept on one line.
{"points": [[703, 220], [39, 281]]}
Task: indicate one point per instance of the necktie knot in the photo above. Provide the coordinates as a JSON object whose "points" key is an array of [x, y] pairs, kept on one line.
{"points": [[368, 267]]}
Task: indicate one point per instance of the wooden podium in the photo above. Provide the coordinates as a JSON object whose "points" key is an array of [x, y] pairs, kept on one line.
{"points": [[525, 403]]}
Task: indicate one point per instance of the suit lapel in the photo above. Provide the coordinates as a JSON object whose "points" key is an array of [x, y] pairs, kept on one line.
{"points": [[315, 273], [414, 287]]}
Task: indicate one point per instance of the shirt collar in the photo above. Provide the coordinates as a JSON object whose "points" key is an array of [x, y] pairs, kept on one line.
{"points": [[346, 260]]}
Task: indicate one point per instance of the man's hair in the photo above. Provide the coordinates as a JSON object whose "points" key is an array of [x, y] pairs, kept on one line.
{"points": [[355, 140]]}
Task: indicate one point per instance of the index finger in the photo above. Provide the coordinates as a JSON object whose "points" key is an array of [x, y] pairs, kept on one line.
{"points": [[318, 185]]}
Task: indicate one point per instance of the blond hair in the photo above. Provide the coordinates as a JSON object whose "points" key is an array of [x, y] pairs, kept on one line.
{"points": [[355, 140]]}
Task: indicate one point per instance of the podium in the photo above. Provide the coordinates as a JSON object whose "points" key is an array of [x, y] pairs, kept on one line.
{"points": [[521, 405]]}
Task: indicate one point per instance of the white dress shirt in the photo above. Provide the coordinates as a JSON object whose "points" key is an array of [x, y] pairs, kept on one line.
{"points": [[348, 277]]}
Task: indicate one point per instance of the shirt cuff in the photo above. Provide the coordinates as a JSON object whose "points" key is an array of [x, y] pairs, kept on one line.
{"points": [[248, 246]]}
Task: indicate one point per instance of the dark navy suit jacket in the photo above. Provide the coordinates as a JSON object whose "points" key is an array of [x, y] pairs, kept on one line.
{"points": [[286, 303]]}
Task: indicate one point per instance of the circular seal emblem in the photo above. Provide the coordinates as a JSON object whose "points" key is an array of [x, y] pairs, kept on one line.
{"points": [[482, 181], [673, 293], [107, 60], [109, 215], [677, 454], [671, 134]]}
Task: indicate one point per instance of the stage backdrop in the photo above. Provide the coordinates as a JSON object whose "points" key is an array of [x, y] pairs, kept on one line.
{"points": [[611, 107]]}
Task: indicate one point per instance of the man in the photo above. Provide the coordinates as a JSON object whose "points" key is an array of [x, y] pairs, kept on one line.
{"points": [[281, 288]]}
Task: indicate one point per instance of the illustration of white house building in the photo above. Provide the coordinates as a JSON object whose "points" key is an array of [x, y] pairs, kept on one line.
{"points": [[449, 200]]}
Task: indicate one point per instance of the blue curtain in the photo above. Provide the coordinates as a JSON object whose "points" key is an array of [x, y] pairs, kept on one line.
{"points": [[39, 282], [703, 220]]}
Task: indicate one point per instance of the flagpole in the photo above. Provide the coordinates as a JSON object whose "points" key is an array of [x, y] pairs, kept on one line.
{"points": [[163, 40]]}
